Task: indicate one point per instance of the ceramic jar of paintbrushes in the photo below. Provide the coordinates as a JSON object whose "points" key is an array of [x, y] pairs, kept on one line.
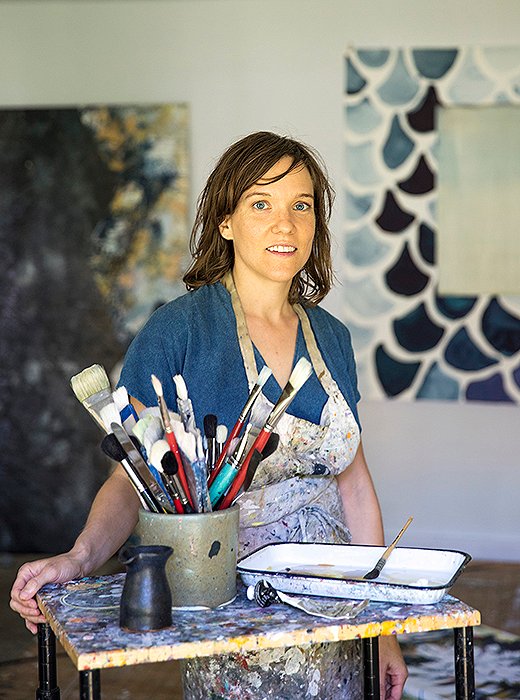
{"points": [[146, 601]]}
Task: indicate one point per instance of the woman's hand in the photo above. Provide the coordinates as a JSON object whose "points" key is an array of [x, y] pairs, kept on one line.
{"points": [[33, 575], [392, 669]]}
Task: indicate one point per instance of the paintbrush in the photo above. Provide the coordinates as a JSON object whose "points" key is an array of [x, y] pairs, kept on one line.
{"points": [[127, 412], [257, 457], [92, 388], [222, 433], [301, 372], [171, 469], [210, 432], [113, 449], [264, 375], [157, 451], [184, 403], [135, 458], [170, 435]]}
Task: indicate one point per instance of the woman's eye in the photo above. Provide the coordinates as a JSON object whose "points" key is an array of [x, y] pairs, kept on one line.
{"points": [[260, 205], [301, 206]]}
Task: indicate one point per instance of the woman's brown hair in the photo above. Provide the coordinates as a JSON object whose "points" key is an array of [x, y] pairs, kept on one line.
{"points": [[242, 165]]}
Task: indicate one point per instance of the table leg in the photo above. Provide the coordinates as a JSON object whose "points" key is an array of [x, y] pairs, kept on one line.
{"points": [[464, 666], [47, 678], [90, 685], [371, 668]]}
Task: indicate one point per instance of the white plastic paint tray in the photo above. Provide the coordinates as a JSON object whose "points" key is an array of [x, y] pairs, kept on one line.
{"points": [[415, 576]]}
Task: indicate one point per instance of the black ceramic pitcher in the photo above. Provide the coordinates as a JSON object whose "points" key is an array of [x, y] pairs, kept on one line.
{"points": [[146, 601]]}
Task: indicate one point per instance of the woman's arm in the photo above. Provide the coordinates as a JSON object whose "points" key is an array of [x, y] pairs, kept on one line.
{"points": [[363, 517], [360, 503]]}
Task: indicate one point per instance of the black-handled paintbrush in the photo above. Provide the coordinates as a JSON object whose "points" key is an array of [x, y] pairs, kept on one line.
{"points": [[113, 449]]}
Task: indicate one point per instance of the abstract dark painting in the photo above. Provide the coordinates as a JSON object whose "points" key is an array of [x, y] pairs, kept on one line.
{"points": [[93, 235]]}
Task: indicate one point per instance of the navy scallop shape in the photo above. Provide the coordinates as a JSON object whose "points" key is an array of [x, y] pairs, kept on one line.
{"points": [[501, 329], [398, 145], [422, 119], [434, 63], [421, 181], [395, 376], [491, 389], [455, 307], [393, 219], [373, 57], [355, 82], [462, 353], [416, 331], [427, 243], [404, 277]]}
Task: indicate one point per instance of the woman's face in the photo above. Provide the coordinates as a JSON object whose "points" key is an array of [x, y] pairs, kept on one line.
{"points": [[272, 227]]}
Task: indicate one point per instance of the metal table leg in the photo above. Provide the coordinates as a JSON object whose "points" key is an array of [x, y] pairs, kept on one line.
{"points": [[90, 685], [371, 668], [464, 666], [47, 678]]}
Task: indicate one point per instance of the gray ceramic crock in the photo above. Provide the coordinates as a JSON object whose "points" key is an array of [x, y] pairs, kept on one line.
{"points": [[202, 568]]}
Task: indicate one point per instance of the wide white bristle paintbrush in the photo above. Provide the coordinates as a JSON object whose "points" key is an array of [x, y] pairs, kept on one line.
{"points": [[92, 388], [301, 372]]}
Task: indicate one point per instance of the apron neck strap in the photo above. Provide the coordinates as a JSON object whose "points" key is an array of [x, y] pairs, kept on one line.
{"points": [[246, 345]]}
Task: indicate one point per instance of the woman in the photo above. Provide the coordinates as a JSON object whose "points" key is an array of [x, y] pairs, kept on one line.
{"points": [[261, 265]]}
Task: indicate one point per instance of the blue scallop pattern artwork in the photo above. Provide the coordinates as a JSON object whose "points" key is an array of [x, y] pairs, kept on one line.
{"points": [[411, 342]]}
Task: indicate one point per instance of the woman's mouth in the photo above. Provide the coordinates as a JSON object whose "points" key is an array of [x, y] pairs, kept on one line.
{"points": [[281, 249]]}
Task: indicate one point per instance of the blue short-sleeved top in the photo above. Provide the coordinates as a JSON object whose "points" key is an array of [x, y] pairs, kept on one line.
{"points": [[195, 335]]}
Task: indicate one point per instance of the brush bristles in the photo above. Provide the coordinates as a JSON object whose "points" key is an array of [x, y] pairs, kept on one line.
{"points": [[180, 386], [120, 397], [264, 375], [300, 374], [89, 382], [157, 451], [222, 433], [157, 386]]}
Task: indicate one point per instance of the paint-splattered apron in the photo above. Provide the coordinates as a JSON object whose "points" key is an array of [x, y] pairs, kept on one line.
{"points": [[294, 497]]}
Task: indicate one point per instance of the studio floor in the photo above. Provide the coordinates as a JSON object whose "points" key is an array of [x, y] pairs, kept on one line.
{"points": [[492, 588]]}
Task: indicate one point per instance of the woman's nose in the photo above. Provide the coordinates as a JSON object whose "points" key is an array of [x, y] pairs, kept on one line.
{"points": [[283, 222]]}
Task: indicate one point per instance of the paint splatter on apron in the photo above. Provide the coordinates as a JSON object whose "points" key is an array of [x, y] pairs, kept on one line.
{"points": [[294, 497]]}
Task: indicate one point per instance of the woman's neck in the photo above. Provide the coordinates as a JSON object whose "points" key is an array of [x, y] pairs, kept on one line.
{"points": [[268, 300]]}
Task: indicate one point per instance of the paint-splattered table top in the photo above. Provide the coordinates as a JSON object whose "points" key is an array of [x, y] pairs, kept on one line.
{"points": [[84, 615]]}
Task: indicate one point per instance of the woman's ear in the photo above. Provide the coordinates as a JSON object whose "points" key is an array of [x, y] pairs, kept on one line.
{"points": [[225, 229]]}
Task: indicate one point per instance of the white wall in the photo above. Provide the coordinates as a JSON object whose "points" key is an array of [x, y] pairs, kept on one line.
{"points": [[244, 65]]}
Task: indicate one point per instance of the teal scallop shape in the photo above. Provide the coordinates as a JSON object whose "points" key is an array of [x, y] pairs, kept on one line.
{"points": [[437, 385], [434, 63], [398, 145], [360, 164], [355, 82], [470, 85], [375, 58], [363, 117], [357, 207], [363, 248], [399, 88], [366, 298]]}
